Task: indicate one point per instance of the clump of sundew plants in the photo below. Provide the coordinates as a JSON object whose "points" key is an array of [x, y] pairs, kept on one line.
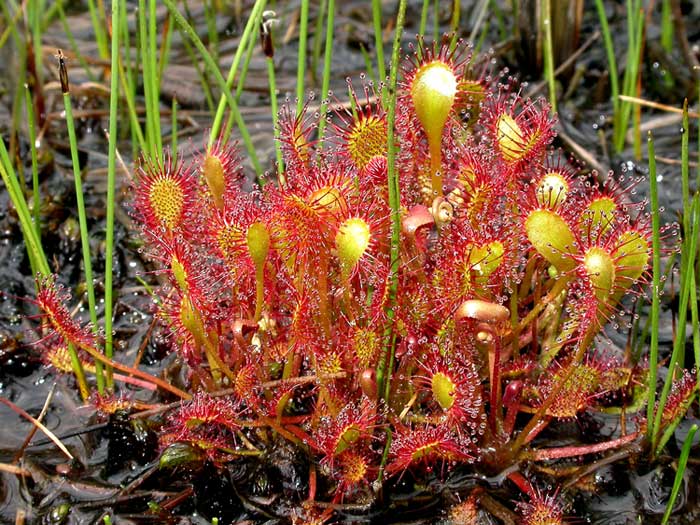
{"points": [[385, 336], [406, 319]]}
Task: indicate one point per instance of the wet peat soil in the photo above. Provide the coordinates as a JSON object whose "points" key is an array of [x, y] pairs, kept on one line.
{"points": [[116, 458]]}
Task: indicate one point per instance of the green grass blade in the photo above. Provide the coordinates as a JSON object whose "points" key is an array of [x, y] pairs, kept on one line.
{"points": [[549, 53], [675, 362], [378, 38], [326, 80], [35, 170], [301, 55], [35, 251], [656, 278], [99, 29], [82, 215], [682, 464], [610, 53], [423, 17], [111, 183], [386, 360], [224, 85]]}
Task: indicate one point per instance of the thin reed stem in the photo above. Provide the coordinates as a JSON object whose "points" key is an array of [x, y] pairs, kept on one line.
{"points": [[655, 281], [224, 85], [35, 170], [378, 37], [82, 215], [326, 80], [111, 185], [301, 53], [680, 471], [549, 53], [386, 360]]}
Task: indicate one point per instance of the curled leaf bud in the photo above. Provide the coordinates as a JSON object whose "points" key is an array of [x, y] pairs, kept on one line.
{"points": [[442, 211], [417, 217]]}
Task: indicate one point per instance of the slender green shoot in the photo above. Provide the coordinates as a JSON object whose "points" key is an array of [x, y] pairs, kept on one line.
{"points": [[210, 16], [82, 215], [35, 169], [153, 80], [456, 15], [326, 81], [35, 251], [269, 51], [386, 360], [318, 39], [482, 37], [369, 67], [224, 85], [378, 37], [423, 17], [111, 183], [635, 32], [37, 9], [165, 47], [241, 81], [680, 470], [11, 21], [436, 20], [173, 130], [655, 288], [612, 61], [153, 151], [666, 26], [274, 109], [549, 53], [73, 44], [676, 362], [100, 30], [301, 56]]}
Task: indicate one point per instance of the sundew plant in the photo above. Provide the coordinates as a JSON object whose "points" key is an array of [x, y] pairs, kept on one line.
{"points": [[417, 293]]}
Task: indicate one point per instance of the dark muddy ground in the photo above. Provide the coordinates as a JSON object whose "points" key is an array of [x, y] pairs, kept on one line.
{"points": [[116, 457]]}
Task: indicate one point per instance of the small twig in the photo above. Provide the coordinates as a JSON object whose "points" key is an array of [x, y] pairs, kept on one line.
{"points": [[657, 105], [675, 162], [302, 380], [33, 430], [544, 454], [580, 151], [14, 469], [36, 423], [536, 88], [589, 469]]}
